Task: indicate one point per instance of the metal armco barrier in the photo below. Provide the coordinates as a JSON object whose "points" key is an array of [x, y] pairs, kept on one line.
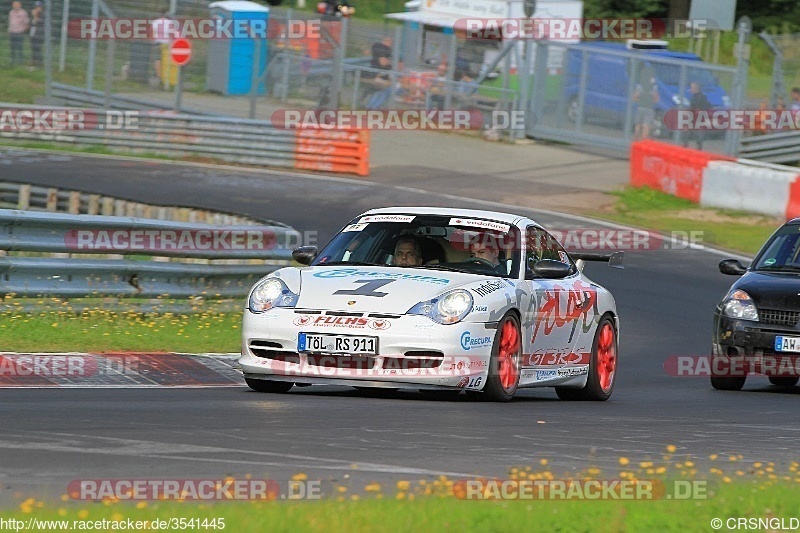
{"points": [[778, 147], [252, 142], [81, 277], [715, 180]]}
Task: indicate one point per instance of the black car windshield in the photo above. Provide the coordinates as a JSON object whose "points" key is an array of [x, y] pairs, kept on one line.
{"points": [[782, 251], [434, 242]]}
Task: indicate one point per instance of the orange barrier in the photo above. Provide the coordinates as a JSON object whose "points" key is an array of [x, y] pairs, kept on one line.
{"points": [[673, 169], [344, 151], [793, 204]]}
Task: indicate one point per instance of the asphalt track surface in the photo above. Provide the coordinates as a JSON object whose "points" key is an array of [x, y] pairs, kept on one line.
{"points": [[665, 299]]}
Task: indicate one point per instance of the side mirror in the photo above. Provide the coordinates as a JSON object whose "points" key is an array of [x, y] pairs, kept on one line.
{"points": [[732, 267], [551, 269], [305, 254]]}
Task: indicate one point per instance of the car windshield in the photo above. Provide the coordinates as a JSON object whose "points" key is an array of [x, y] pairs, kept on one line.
{"points": [[782, 251], [469, 244], [671, 75]]}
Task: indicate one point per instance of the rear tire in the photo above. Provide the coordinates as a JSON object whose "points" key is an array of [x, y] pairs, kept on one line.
{"points": [[602, 367], [263, 385], [784, 381], [503, 377]]}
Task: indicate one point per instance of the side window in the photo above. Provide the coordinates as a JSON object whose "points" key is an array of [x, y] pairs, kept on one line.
{"points": [[541, 245]]}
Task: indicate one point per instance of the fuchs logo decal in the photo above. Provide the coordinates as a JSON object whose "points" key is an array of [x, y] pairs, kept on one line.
{"points": [[303, 320], [380, 324], [347, 321]]}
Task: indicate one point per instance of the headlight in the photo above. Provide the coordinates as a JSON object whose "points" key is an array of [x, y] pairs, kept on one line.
{"points": [[449, 308], [272, 292], [740, 305]]}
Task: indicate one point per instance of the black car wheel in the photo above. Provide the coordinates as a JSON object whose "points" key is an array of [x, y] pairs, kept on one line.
{"points": [[784, 381], [720, 375]]}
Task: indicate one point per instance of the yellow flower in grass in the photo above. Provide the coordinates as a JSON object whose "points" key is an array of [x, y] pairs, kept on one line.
{"points": [[671, 448], [624, 461], [403, 485]]}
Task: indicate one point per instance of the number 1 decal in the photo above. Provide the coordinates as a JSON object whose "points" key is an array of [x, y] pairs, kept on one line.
{"points": [[368, 288]]}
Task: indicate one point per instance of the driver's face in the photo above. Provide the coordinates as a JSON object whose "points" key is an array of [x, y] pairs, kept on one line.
{"points": [[406, 255], [482, 251]]}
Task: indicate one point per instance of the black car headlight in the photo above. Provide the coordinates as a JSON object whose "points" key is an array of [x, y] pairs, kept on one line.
{"points": [[269, 293], [739, 305], [449, 308]]}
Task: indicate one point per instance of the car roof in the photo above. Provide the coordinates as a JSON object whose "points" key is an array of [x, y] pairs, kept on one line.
{"points": [[508, 218], [648, 51]]}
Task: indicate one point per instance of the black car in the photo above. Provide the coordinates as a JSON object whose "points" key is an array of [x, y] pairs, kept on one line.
{"points": [[756, 324]]}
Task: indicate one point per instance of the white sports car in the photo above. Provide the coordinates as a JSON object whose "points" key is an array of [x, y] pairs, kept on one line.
{"points": [[435, 299]]}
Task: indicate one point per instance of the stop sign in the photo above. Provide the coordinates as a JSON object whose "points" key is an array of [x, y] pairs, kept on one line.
{"points": [[180, 51]]}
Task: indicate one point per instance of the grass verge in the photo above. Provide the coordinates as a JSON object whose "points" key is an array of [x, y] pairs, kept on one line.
{"points": [[754, 500], [60, 327], [654, 210]]}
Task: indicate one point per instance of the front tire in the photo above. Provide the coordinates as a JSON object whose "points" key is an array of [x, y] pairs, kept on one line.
{"points": [[263, 385], [602, 366], [720, 375], [503, 377]]}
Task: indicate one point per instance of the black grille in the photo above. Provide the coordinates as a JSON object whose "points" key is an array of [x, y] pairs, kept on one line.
{"points": [[779, 318]]}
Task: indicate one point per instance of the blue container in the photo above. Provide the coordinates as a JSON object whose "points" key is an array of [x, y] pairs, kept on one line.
{"points": [[231, 61]]}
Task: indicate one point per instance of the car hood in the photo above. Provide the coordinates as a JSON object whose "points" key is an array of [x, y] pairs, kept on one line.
{"points": [[772, 290], [378, 289]]}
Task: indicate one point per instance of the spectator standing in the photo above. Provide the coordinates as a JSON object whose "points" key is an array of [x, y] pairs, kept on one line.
{"points": [[795, 105], [18, 24], [646, 97], [697, 102], [380, 81], [37, 33]]}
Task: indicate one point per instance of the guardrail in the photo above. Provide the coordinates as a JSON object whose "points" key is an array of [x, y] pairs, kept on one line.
{"points": [[71, 96], [22, 231], [779, 147], [25, 197], [237, 140]]}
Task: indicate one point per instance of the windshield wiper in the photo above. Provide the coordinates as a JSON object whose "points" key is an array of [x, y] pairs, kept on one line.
{"points": [[436, 266], [357, 263]]}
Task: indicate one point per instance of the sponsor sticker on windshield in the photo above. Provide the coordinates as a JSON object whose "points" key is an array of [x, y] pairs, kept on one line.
{"points": [[476, 223], [355, 227], [386, 218]]}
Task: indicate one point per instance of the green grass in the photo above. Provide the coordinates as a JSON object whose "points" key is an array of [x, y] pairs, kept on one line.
{"points": [[58, 327], [651, 209], [431, 513]]}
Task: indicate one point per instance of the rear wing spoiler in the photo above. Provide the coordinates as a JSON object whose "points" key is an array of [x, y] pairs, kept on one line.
{"points": [[614, 259]]}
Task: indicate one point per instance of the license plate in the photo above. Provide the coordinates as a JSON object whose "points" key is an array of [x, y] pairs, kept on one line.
{"points": [[339, 344], [787, 344]]}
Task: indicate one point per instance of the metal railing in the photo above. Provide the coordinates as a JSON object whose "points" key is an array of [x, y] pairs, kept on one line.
{"points": [[237, 140], [778, 147], [88, 276]]}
